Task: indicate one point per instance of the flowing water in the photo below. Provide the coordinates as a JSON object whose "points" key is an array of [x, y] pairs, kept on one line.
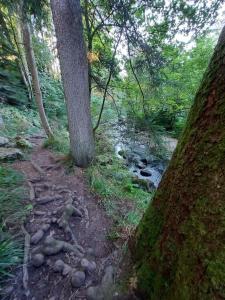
{"points": [[138, 155]]}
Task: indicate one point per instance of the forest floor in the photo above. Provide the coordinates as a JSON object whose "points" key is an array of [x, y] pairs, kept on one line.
{"points": [[67, 249]]}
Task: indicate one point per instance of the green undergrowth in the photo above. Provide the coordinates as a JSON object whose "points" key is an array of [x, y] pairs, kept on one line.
{"points": [[12, 214], [59, 143], [18, 121], [109, 178]]}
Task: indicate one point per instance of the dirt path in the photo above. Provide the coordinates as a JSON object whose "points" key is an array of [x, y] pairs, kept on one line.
{"points": [[68, 226]]}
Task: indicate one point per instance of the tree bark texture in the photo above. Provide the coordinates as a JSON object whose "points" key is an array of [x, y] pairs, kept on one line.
{"points": [[179, 247], [34, 75], [74, 68]]}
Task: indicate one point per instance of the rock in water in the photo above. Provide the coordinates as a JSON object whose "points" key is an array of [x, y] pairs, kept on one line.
{"points": [[78, 279], [3, 140], [38, 260], [10, 154], [145, 173]]}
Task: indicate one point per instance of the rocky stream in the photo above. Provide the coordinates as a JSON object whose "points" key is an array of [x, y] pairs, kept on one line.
{"points": [[141, 157]]}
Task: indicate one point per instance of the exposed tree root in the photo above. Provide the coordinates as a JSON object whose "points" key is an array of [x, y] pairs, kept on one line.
{"points": [[53, 246], [25, 261], [47, 199], [32, 191], [37, 168], [63, 222]]}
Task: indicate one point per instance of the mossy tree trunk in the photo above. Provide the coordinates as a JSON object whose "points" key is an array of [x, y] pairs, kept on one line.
{"points": [[179, 246]]}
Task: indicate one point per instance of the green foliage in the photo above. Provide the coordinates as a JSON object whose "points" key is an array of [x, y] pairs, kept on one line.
{"points": [[12, 89], [110, 179], [110, 112], [12, 195], [19, 121], [10, 253], [10, 178], [43, 56], [168, 100], [59, 143], [53, 97], [12, 214], [23, 143]]}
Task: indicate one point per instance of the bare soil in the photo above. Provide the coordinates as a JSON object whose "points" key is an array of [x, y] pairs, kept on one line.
{"points": [[90, 231]]}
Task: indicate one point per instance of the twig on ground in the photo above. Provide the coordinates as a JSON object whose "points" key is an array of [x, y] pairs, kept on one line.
{"points": [[25, 261]]}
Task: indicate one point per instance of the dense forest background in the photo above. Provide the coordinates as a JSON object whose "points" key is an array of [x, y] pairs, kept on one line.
{"points": [[156, 99]]}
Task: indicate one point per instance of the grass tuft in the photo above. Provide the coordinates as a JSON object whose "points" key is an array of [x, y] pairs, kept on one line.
{"points": [[10, 253], [12, 214], [10, 178], [110, 179], [59, 143]]}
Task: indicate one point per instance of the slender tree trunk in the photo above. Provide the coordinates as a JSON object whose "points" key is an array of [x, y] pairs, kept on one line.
{"points": [[74, 68], [34, 74], [22, 61], [180, 243]]}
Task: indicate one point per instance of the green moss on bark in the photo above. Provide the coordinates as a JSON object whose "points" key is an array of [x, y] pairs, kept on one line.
{"points": [[180, 242]]}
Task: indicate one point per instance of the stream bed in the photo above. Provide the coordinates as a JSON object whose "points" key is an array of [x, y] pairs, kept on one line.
{"points": [[146, 168]]}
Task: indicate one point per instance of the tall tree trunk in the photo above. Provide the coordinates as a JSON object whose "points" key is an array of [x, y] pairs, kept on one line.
{"points": [[34, 75], [89, 42], [180, 243], [74, 68]]}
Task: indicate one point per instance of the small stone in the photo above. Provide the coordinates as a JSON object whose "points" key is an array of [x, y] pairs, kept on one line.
{"points": [[78, 279], [94, 293], [53, 220], [45, 227], [48, 262], [52, 246], [89, 267], [71, 210], [66, 270], [38, 260], [90, 251], [108, 277], [122, 153], [37, 236], [76, 203], [58, 266]]}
